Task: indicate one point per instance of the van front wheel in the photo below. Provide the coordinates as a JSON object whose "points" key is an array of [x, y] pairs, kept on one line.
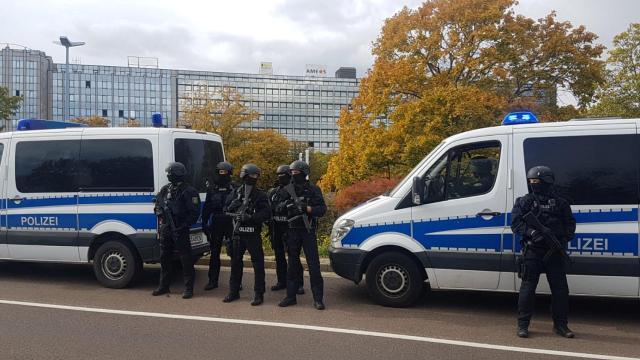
{"points": [[115, 265], [394, 279]]}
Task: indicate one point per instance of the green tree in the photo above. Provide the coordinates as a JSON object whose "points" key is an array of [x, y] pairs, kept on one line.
{"points": [[9, 105], [451, 66], [620, 95]]}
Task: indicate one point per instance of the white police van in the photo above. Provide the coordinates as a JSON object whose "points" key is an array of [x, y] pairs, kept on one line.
{"points": [[448, 222], [80, 194]]}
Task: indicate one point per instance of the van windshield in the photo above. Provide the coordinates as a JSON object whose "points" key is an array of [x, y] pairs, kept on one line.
{"points": [[200, 158], [394, 192]]}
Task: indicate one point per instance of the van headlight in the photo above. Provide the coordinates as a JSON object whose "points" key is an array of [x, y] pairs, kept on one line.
{"points": [[340, 230]]}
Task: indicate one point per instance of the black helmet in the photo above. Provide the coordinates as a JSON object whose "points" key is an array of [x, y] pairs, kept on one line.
{"points": [[301, 166], [248, 169], [176, 172], [282, 169], [543, 173], [223, 165]]}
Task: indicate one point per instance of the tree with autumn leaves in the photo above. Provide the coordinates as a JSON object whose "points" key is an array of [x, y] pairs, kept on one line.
{"points": [[620, 95], [452, 66], [223, 113]]}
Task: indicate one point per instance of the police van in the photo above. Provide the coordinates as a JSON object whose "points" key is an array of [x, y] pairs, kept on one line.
{"points": [[81, 194], [448, 222]]}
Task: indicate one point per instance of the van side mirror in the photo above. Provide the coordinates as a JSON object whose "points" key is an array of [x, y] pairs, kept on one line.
{"points": [[417, 191]]}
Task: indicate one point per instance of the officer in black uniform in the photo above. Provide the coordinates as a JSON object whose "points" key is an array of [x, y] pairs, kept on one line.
{"points": [[217, 225], [177, 207], [279, 226], [306, 209], [249, 207], [554, 213]]}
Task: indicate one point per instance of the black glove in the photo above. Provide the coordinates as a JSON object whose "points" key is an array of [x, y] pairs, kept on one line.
{"points": [[536, 236], [281, 208], [234, 205]]}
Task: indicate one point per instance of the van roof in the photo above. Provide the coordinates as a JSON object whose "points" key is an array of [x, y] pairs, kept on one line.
{"points": [[101, 131], [508, 129]]}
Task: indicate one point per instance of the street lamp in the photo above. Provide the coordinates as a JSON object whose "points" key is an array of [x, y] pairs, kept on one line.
{"points": [[64, 41]]}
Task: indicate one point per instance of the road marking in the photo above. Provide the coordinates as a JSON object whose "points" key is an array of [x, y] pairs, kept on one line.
{"points": [[319, 328]]}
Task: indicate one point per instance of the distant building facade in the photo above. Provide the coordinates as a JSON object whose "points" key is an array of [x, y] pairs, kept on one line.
{"points": [[303, 108]]}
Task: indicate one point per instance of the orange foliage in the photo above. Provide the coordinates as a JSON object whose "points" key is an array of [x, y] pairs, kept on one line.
{"points": [[362, 191]]}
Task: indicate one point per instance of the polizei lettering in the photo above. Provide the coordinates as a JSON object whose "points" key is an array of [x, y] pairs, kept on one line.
{"points": [[589, 244], [39, 221]]}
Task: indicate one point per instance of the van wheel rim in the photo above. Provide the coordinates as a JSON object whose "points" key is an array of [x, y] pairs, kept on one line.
{"points": [[114, 265], [393, 280]]}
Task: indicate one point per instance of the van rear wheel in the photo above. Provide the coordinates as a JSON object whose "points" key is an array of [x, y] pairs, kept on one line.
{"points": [[394, 280], [116, 265]]}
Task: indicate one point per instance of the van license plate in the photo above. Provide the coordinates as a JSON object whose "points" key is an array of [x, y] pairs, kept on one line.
{"points": [[196, 239]]}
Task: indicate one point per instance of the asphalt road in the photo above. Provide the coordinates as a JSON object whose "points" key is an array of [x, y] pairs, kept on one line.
{"points": [[94, 322]]}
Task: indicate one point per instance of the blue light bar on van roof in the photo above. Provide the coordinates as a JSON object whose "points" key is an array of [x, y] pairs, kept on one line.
{"points": [[520, 117], [37, 124]]}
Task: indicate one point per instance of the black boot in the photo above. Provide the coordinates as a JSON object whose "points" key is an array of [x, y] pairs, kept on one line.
{"points": [[319, 305], [211, 286], [300, 291], [160, 291], [287, 302], [278, 286], [564, 331], [523, 332], [258, 299], [232, 296], [188, 293]]}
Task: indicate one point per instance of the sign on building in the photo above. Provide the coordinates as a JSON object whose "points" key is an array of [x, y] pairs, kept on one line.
{"points": [[316, 70], [266, 68]]}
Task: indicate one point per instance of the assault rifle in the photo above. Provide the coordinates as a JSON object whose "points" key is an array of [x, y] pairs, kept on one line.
{"points": [[236, 216], [551, 240], [300, 206], [163, 211]]}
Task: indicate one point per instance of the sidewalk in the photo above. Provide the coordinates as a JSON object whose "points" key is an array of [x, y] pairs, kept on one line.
{"points": [[269, 262]]}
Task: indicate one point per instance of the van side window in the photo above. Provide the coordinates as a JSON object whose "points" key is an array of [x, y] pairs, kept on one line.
{"points": [[116, 164], [47, 166], [200, 157], [589, 170], [465, 171], [1, 150]]}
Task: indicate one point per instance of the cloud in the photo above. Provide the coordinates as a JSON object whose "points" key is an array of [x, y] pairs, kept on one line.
{"points": [[236, 36]]}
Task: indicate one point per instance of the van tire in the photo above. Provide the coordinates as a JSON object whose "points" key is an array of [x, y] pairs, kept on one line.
{"points": [[394, 280], [116, 265]]}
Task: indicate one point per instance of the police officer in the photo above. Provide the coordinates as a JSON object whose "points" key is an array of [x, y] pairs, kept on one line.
{"points": [[217, 225], [304, 205], [279, 226], [177, 207], [539, 256], [249, 207]]}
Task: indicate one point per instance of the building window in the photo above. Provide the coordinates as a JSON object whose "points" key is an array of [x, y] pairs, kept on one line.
{"points": [[17, 92], [121, 114], [104, 112], [87, 84]]}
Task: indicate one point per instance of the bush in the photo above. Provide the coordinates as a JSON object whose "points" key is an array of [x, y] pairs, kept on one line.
{"points": [[362, 191]]}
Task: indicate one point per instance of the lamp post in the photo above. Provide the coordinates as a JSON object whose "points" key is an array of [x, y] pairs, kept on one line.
{"points": [[64, 41]]}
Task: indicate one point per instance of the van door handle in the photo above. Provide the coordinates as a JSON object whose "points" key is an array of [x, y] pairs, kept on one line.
{"points": [[489, 213], [17, 199]]}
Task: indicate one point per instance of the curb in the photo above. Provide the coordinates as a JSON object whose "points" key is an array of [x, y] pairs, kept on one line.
{"points": [[268, 263]]}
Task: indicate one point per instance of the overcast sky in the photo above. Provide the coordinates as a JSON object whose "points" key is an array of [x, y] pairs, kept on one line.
{"points": [[237, 35]]}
